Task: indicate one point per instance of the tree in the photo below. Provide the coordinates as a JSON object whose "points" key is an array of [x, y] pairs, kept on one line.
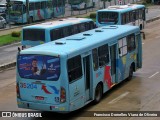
{"points": [[104, 2]]}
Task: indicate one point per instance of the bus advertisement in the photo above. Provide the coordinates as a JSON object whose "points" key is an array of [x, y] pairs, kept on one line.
{"points": [[23, 11], [67, 74]]}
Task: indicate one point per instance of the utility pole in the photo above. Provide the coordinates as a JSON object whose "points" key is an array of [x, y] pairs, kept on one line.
{"points": [[8, 11], [27, 10]]}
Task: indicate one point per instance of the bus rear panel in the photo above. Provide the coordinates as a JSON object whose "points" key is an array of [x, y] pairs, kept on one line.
{"points": [[39, 83]]}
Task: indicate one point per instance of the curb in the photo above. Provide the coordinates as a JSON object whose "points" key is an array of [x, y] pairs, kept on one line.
{"points": [[153, 19], [7, 65], [13, 64]]}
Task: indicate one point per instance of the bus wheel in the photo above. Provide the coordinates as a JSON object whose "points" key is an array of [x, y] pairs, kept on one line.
{"points": [[30, 20], [130, 73], [141, 27], [98, 94]]}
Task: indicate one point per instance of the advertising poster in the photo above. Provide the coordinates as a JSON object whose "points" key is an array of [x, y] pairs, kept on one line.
{"points": [[39, 67]]}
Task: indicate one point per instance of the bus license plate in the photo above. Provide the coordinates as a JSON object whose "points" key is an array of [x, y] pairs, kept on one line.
{"points": [[39, 98]]}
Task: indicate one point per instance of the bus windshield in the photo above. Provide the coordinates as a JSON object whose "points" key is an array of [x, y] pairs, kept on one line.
{"points": [[34, 34], [108, 17], [16, 9], [39, 67]]}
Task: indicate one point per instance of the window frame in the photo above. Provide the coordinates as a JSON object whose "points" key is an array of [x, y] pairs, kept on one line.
{"points": [[122, 48], [133, 47], [103, 55], [95, 59], [74, 67]]}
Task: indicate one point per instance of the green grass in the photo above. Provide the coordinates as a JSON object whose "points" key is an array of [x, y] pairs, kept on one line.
{"points": [[8, 39]]}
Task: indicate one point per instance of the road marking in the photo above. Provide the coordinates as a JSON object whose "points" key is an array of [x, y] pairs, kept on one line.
{"points": [[118, 98], [153, 74]]}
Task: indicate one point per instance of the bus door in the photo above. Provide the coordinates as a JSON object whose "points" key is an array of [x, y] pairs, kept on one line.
{"points": [[139, 50], [137, 18], [113, 57], [87, 76]]}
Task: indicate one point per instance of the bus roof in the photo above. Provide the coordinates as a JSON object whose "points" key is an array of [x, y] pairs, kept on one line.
{"points": [[58, 23], [122, 8], [78, 43]]}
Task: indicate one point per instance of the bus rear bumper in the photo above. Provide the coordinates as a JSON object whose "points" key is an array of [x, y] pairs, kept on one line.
{"points": [[61, 108]]}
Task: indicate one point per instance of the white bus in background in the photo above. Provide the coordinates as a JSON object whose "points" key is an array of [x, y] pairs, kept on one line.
{"points": [[82, 4]]}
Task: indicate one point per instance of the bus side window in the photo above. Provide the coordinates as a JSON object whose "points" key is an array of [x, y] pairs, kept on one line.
{"points": [[131, 43], [74, 66], [81, 27], [43, 4], [65, 31], [143, 14], [24, 9], [95, 59], [70, 30], [31, 6], [56, 34], [137, 14], [131, 17], [49, 4], [38, 5], [140, 13], [123, 18], [92, 25], [87, 26], [127, 17], [103, 55], [122, 43], [75, 29]]}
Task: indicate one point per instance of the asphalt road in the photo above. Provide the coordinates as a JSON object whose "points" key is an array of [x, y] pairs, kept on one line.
{"points": [[142, 93], [8, 53]]}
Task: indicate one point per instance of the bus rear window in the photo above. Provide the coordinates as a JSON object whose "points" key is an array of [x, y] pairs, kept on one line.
{"points": [[34, 34], [38, 67], [105, 17]]}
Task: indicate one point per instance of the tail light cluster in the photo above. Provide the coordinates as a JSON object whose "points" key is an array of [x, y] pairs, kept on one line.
{"points": [[17, 90], [63, 95]]}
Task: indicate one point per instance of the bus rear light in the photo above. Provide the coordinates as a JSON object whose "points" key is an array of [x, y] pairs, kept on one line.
{"points": [[17, 90], [23, 47], [63, 95]]}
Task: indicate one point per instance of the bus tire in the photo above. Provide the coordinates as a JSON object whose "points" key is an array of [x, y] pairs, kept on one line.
{"points": [[98, 94], [141, 27], [30, 20], [130, 73]]}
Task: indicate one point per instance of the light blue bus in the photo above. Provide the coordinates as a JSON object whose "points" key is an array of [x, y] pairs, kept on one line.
{"points": [[45, 32], [131, 14], [66, 74], [21, 12]]}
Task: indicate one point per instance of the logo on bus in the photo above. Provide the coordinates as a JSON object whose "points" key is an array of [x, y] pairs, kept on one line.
{"points": [[50, 91]]}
